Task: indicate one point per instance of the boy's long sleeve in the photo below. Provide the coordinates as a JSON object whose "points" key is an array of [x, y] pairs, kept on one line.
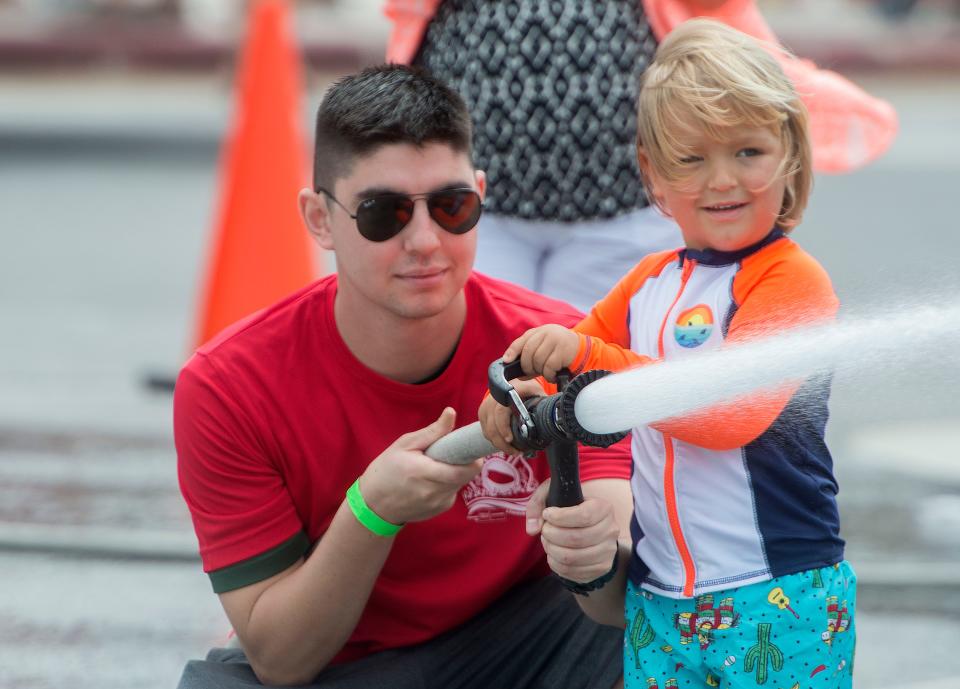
{"points": [[770, 299], [605, 332]]}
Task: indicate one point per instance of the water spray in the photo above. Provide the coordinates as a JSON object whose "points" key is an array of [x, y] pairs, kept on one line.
{"points": [[647, 394], [616, 403]]}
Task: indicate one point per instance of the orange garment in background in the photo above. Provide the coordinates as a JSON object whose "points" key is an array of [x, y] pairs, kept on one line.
{"points": [[849, 127]]}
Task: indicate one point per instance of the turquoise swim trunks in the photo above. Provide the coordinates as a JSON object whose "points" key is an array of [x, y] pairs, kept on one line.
{"points": [[793, 632]]}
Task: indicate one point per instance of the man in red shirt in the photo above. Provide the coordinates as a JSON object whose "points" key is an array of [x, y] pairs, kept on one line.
{"points": [[300, 434]]}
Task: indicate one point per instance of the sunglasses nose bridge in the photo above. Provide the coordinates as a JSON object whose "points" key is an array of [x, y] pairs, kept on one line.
{"points": [[422, 233]]}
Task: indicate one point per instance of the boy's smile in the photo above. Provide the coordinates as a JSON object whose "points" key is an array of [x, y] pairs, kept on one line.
{"points": [[729, 192]]}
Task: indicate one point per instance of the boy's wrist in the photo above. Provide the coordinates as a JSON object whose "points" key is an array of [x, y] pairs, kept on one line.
{"points": [[579, 361]]}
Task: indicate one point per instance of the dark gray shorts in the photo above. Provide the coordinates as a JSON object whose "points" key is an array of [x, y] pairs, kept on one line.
{"points": [[533, 637]]}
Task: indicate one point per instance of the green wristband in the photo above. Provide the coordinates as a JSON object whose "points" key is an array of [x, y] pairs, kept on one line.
{"points": [[370, 519]]}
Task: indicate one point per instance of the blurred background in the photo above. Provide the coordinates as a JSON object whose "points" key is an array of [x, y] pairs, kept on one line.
{"points": [[112, 118]]}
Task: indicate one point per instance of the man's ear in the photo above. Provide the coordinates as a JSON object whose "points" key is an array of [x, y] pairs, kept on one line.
{"points": [[481, 178], [316, 216]]}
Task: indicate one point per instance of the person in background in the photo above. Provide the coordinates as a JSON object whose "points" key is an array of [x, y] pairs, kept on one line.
{"points": [[343, 555], [552, 88], [736, 575]]}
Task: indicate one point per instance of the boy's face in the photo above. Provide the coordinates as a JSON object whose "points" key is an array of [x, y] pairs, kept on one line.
{"points": [[729, 193], [417, 273]]}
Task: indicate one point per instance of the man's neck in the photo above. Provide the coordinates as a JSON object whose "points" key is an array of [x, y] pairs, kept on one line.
{"points": [[408, 350]]}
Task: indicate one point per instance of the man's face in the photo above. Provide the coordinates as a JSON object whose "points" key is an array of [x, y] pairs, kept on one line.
{"points": [[418, 273]]}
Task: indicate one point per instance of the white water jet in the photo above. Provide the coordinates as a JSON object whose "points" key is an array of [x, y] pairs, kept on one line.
{"points": [[669, 389], [664, 390]]}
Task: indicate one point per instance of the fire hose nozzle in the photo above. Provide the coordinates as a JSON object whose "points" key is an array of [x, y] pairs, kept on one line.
{"points": [[541, 420]]}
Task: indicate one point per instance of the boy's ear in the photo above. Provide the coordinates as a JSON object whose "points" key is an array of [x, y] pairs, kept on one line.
{"points": [[643, 160], [649, 184], [316, 216]]}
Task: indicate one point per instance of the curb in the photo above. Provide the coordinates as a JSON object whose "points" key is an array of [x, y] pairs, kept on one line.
{"points": [[939, 53], [168, 46], [111, 542], [99, 542], [896, 574], [157, 46]]}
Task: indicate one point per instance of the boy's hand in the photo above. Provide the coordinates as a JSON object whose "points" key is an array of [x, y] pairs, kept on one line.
{"points": [[495, 418], [579, 541], [544, 350]]}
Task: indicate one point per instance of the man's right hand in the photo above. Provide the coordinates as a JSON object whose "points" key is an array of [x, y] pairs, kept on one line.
{"points": [[404, 485]]}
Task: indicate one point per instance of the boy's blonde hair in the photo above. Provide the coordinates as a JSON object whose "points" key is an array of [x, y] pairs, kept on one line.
{"points": [[707, 73]]}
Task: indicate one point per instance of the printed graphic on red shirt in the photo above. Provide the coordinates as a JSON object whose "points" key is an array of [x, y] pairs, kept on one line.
{"points": [[694, 326], [501, 489]]}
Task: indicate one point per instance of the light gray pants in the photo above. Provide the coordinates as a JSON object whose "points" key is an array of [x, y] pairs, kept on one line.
{"points": [[576, 262]]}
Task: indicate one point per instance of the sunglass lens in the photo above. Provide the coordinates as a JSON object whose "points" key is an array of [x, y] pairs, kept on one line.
{"points": [[380, 218], [455, 211]]}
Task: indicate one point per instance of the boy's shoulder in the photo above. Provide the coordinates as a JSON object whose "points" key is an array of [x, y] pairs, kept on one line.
{"points": [[784, 255], [650, 266], [786, 266]]}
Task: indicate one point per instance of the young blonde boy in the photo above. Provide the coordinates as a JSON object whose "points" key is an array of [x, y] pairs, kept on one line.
{"points": [[735, 576]]}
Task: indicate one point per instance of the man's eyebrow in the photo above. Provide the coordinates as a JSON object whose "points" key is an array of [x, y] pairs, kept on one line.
{"points": [[371, 192]]}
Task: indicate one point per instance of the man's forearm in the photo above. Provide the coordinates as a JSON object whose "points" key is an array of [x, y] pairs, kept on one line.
{"points": [[298, 624]]}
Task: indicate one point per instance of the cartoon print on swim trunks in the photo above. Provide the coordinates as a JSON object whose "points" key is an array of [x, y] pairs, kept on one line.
{"points": [[700, 624], [770, 634], [838, 619]]}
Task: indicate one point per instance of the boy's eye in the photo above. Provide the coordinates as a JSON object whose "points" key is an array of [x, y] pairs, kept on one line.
{"points": [[687, 160], [749, 152]]}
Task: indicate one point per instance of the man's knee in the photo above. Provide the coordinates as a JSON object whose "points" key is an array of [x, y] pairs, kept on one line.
{"points": [[224, 668]]}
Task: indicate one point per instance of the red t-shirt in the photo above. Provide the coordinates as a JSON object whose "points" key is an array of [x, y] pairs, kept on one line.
{"points": [[275, 418]]}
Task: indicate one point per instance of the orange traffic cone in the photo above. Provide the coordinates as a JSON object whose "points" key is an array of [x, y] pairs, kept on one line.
{"points": [[260, 250]]}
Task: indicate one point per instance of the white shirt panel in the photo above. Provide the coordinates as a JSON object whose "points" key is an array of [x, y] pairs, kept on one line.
{"points": [[714, 496]]}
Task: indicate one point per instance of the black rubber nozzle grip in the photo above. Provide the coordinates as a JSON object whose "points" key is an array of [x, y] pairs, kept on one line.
{"points": [[499, 376], [564, 462]]}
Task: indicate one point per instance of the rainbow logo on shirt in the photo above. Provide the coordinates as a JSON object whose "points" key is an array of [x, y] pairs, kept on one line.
{"points": [[694, 326]]}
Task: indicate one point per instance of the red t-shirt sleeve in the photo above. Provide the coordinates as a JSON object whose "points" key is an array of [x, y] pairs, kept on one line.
{"points": [[610, 462], [237, 497]]}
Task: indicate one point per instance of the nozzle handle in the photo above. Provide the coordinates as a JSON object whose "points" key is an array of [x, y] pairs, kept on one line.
{"points": [[499, 376], [563, 455], [564, 459]]}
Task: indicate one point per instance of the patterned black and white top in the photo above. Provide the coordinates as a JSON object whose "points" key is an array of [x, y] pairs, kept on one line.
{"points": [[552, 88]]}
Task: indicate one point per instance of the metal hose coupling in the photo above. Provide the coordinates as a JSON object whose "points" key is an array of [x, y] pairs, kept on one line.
{"points": [[544, 419]]}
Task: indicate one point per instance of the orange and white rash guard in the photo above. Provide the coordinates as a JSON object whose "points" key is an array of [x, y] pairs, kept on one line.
{"points": [[742, 492]]}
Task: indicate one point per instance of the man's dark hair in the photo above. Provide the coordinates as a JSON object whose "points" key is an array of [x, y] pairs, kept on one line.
{"points": [[387, 104]]}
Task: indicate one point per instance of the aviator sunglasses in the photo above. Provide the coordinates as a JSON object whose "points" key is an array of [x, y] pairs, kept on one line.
{"points": [[381, 217]]}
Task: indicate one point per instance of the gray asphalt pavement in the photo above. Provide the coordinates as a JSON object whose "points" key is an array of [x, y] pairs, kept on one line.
{"points": [[103, 244]]}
